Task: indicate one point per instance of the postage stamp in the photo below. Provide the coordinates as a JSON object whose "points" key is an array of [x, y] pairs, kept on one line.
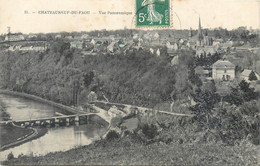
{"points": [[153, 13]]}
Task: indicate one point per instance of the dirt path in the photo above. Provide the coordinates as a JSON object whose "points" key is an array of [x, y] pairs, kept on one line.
{"points": [[149, 109]]}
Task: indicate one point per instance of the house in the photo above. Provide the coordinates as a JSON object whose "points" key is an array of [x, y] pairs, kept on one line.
{"points": [[14, 37], [245, 75], [26, 48], [85, 36], [206, 51], [14, 47], [39, 48], [92, 41], [76, 44], [175, 60], [110, 47], [69, 37], [156, 36], [223, 70], [114, 111], [135, 36], [172, 45], [158, 53], [32, 36], [256, 85], [171, 52], [181, 41], [58, 36], [151, 50]]}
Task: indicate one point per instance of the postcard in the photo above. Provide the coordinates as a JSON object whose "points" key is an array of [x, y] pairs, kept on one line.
{"points": [[129, 82]]}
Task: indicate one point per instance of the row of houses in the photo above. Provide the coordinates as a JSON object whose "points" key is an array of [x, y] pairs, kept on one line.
{"points": [[14, 37]]}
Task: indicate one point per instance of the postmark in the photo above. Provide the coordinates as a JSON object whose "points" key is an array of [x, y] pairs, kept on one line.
{"points": [[153, 13]]}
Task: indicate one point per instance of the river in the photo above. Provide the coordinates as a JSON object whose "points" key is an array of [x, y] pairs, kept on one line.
{"points": [[57, 138]]}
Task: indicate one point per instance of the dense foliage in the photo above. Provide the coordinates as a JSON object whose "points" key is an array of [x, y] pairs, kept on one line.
{"points": [[232, 119], [64, 75]]}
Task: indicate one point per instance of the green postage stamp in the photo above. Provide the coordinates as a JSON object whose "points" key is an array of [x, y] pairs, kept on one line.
{"points": [[153, 13]]}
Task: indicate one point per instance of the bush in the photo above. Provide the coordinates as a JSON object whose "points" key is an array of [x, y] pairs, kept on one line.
{"points": [[150, 131], [10, 156], [112, 135]]}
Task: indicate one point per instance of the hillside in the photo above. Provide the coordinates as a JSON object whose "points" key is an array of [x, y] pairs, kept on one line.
{"points": [[66, 76]]}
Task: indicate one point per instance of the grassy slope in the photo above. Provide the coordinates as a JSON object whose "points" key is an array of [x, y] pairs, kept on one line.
{"points": [[126, 151]]}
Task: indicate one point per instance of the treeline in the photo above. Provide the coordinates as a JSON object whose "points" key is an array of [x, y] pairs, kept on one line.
{"points": [[64, 75]]}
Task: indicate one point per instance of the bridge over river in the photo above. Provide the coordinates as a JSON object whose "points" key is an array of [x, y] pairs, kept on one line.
{"points": [[63, 119], [67, 119], [76, 115]]}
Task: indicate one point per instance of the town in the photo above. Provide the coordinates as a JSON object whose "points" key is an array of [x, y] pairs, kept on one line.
{"points": [[133, 93], [236, 55]]}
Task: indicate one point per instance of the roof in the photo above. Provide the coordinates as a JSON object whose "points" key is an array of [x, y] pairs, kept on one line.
{"points": [[246, 72], [223, 64]]}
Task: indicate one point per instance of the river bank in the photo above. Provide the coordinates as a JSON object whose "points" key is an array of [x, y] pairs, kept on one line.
{"points": [[130, 150], [19, 135]]}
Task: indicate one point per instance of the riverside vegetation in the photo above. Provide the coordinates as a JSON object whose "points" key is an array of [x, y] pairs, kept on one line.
{"points": [[224, 129]]}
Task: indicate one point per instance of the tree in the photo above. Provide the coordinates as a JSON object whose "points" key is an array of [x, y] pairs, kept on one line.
{"points": [[88, 78], [252, 76], [240, 94], [206, 99]]}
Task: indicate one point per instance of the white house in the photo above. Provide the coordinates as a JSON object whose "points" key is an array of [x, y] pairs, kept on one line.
{"points": [[223, 70]]}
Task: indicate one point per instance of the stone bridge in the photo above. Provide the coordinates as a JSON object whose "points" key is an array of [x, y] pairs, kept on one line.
{"points": [[64, 119]]}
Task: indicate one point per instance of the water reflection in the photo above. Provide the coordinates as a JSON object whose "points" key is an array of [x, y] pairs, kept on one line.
{"points": [[24, 109], [57, 138]]}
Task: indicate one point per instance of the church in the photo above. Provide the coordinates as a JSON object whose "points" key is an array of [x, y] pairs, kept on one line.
{"points": [[204, 44]]}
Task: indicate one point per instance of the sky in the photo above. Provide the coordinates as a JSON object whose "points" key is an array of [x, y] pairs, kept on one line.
{"points": [[228, 14]]}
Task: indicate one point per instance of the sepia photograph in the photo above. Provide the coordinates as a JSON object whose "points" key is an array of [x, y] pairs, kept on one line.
{"points": [[130, 82]]}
